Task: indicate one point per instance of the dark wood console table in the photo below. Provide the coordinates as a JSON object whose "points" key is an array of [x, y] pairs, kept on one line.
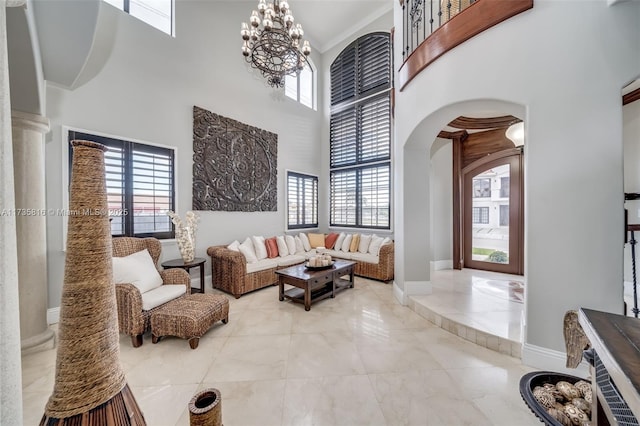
{"points": [[313, 285], [615, 369]]}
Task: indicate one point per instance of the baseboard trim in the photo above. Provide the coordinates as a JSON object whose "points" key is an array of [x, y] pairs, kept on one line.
{"points": [[399, 295], [551, 360], [439, 265], [53, 315]]}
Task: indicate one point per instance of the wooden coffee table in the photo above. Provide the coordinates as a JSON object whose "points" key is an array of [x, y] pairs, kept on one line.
{"points": [[312, 285]]}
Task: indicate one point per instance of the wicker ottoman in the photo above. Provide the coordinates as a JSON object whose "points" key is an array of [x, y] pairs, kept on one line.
{"points": [[189, 317]]}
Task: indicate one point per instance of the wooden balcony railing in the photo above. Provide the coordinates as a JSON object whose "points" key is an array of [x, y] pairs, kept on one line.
{"points": [[433, 27]]}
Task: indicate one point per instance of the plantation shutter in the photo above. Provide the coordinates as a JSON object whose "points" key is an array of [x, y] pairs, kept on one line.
{"points": [[152, 184], [374, 131], [374, 63]]}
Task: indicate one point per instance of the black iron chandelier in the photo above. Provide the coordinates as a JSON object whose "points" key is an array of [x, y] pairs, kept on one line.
{"points": [[273, 42]]}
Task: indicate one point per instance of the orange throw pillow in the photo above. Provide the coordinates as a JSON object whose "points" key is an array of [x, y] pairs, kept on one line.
{"points": [[330, 240], [272, 247], [316, 240], [355, 243]]}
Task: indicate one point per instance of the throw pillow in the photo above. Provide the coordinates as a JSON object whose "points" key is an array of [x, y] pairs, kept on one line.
{"points": [[246, 248], [137, 269], [259, 247], [376, 242], [299, 245], [346, 243], [316, 240], [282, 246], [272, 247], [234, 246], [355, 243], [339, 241], [330, 240], [305, 241], [291, 243], [365, 240]]}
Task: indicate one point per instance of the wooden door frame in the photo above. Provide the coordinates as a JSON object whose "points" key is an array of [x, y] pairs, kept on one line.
{"points": [[516, 191]]}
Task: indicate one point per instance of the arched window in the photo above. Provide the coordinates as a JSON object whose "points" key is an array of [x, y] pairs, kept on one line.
{"points": [[360, 134], [301, 88]]}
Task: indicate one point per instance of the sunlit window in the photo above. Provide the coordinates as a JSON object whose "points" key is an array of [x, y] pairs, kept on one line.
{"points": [[140, 185], [302, 201], [300, 88], [157, 13], [360, 134]]}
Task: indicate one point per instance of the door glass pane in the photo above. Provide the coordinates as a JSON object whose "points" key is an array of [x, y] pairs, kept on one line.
{"points": [[490, 215]]}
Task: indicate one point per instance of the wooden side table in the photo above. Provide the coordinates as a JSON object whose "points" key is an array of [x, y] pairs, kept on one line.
{"points": [[179, 263]]}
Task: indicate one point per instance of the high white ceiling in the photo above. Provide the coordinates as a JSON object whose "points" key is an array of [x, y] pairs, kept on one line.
{"points": [[328, 22]]}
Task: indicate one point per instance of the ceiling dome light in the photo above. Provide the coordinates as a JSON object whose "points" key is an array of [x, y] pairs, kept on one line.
{"points": [[515, 132]]}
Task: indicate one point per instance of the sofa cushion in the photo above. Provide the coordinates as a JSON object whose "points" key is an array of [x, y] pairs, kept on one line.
{"points": [[339, 253], [292, 259], [365, 257], [291, 243], [346, 243], [137, 269], [365, 240], [262, 265], [330, 240], [162, 294], [374, 246], [234, 246], [259, 247], [355, 243], [339, 241], [305, 241], [272, 247], [316, 240], [283, 249], [299, 245], [246, 248]]}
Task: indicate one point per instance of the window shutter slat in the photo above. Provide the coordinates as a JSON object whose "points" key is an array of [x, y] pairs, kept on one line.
{"points": [[360, 134]]}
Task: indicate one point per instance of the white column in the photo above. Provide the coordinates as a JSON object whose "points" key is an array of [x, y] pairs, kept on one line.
{"points": [[10, 363], [29, 181]]}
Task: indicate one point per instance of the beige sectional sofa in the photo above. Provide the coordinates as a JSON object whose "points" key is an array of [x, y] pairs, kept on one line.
{"points": [[239, 268]]}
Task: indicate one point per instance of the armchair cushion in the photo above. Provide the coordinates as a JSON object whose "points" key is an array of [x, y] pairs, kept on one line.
{"points": [[138, 269], [160, 295]]}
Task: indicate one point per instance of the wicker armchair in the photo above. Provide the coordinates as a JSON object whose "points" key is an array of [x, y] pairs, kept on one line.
{"points": [[132, 319]]}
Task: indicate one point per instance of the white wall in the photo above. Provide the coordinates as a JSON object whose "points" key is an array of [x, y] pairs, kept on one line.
{"points": [[560, 68], [441, 181], [147, 91], [631, 137]]}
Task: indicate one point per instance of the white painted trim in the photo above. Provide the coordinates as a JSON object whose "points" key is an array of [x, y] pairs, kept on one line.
{"points": [[399, 295], [551, 360], [439, 265], [628, 288], [53, 315]]}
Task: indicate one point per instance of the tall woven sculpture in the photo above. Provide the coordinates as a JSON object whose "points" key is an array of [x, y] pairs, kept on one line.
{"points": [[90, 386]]}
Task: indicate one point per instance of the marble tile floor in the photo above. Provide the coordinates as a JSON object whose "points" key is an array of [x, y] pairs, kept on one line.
{"points": [[483, 307], [358, 359]]}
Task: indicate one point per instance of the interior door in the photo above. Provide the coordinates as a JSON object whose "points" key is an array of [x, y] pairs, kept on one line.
{"points": [[492, 210]]}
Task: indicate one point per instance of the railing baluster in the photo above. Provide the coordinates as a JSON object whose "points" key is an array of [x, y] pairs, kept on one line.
{"points": [[431, 17], [405, 50], [439, 14]]}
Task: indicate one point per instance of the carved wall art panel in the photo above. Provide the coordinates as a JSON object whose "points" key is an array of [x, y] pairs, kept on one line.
{"points": [[234, 165]]}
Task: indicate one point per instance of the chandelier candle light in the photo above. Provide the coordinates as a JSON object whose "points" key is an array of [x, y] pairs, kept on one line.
{"points": [[272, 43]]}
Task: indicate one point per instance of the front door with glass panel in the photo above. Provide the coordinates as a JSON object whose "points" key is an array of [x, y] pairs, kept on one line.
{"points": [[492, 213]]}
